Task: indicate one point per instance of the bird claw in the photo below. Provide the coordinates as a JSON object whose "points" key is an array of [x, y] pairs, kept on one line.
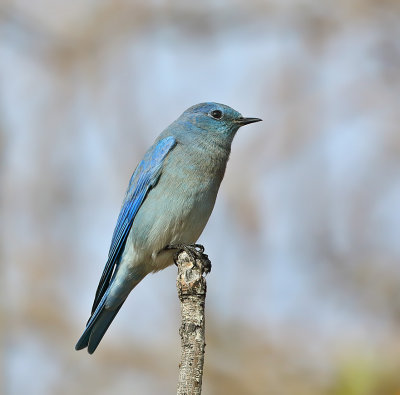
{"points": [[195, 251]]}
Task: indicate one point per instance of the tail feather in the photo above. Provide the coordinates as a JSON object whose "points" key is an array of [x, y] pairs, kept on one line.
{"points": [[97, 327], [103, 316]]}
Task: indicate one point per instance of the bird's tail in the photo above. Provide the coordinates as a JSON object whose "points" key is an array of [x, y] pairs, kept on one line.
{"points": [[97, 326]]}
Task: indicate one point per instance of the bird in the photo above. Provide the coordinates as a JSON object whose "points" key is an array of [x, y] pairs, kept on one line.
{"points": [[169, 200]]}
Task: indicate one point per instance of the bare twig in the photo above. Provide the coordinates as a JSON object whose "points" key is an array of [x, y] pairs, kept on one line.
{"points": [[192, 293]]}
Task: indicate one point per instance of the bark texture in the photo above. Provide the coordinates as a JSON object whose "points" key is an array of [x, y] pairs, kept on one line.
{"points": [[192, 293]]}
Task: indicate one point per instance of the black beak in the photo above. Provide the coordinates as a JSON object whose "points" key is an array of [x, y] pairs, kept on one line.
{"points": [[245, 121]]}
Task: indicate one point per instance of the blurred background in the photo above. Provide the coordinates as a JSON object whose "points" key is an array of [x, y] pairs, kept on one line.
{"points": [[304, 296]]}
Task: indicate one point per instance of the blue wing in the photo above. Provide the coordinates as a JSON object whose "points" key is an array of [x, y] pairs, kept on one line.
{"points": [[143, 179]]}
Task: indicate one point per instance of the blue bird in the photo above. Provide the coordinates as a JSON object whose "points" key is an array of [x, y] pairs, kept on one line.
{"points": [[169, 200]]}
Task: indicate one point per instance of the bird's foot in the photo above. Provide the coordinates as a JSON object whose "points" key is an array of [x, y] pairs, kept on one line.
{"points": [[195, 251]]}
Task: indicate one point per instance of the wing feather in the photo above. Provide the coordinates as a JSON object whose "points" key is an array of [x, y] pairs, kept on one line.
{"points": [[143, 179]]}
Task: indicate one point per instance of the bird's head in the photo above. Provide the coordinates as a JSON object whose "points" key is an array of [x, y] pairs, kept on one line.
{"points": [[216, 119]]}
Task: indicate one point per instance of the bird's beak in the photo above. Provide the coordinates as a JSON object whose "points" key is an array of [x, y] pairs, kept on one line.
{"points": [[245, 121]]}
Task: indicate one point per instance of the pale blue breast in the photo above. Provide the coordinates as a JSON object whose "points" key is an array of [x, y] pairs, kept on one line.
{"points": [[178, 208]]}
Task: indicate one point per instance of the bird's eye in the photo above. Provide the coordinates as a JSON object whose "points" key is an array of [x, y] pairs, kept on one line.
{"points": [[217, 114]]}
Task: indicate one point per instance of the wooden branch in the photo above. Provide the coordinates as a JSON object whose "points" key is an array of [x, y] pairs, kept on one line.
{"points": [[192, 293]]}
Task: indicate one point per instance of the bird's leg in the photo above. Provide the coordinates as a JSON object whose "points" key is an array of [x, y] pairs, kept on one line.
{"points": [[195, 251]]}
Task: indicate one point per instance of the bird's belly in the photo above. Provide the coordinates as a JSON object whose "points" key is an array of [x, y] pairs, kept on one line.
{"points": [[176, 214]]}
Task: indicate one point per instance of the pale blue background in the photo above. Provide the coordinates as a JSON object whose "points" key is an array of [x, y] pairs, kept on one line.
{"points": [[304, 238]]}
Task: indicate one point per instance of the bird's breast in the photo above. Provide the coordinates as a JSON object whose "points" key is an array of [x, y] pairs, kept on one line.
{"points": [[176, 210]]}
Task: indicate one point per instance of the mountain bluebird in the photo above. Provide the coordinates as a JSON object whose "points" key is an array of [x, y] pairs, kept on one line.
{"points": [[168, 202]]}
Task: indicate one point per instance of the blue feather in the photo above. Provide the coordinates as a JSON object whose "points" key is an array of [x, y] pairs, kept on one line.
{"points": [[143, 179]]}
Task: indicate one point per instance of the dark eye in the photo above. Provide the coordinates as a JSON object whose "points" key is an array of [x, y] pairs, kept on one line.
{"points": [[217, 114]]}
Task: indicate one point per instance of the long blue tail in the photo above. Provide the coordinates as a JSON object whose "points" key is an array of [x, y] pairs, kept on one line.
{"points": [[97, 326]]}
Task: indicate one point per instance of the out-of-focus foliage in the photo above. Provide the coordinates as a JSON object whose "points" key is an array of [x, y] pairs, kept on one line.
{"points": [[304, 296]]}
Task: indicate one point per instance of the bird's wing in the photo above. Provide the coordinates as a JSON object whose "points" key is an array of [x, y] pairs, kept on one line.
{"points": [[143, 179]]}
